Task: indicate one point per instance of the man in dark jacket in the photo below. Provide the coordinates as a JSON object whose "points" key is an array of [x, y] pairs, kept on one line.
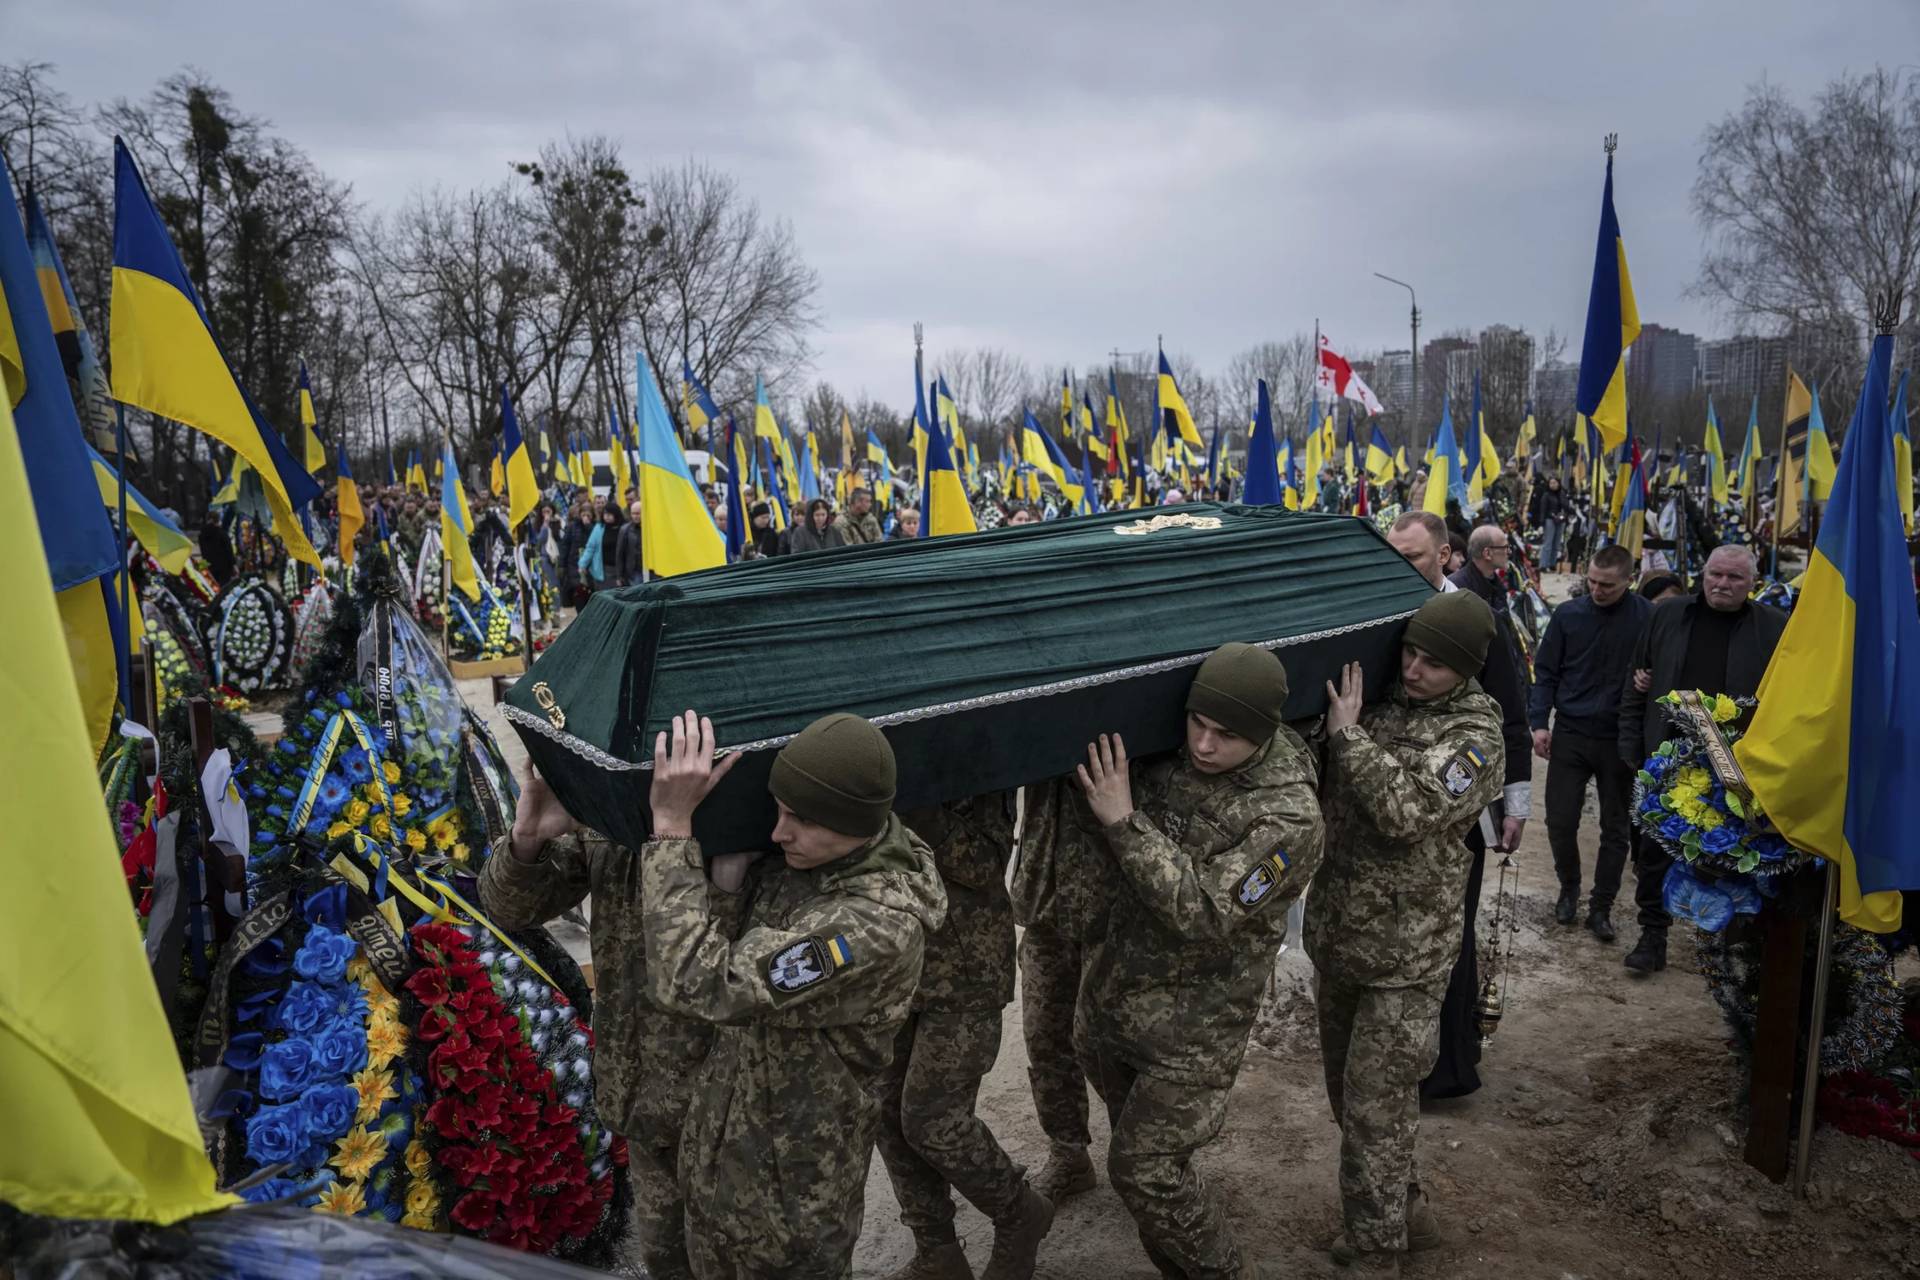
{"points": [[1505, 679], [1584, 658], [1718, 642], [628, 569]]}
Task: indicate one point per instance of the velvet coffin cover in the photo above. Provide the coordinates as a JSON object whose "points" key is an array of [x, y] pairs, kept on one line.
{"points": [[990, 660]]}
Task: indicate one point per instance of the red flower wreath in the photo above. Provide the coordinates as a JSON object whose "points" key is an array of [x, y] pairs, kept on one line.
{"points": [[497, 1125]]}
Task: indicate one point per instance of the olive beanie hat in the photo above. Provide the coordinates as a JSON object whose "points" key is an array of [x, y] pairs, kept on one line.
{"points": [[1455, 628], [838, 772], [1243, 687]]}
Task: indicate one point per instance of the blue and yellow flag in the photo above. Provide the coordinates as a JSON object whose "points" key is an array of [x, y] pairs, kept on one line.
{"points": [[1715, 451], [1263, 454], [618, 463], [1833, 753], [1613, 322], [1444, 478], [736, 509], [677, 533], [82, 549], [1523, 442], [97, 1123], [167, 361], [809, 470], [159, 535], [1630, 523], [456, 526], [316, 450], [497, 470], [87, 378], [1820, 465], [523, 491], [1903, 454], [702, 413], [1040, 451], [1742, 480], [347, 498], [944, 506], [416, 473], [1380, 466], [1174, 416]]}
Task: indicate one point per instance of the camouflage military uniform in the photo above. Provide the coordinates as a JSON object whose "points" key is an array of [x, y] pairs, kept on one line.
{"points": [[858, 529], [808, 1000], [1384, 926], [1211, 861], [1062, 894], [645, 1059]]}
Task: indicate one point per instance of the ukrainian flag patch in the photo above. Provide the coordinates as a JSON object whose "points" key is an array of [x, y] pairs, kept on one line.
{"points": [[839, 952]]}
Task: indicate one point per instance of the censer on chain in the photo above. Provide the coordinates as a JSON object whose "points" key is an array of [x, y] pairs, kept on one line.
{"points": [[1497, 964]]}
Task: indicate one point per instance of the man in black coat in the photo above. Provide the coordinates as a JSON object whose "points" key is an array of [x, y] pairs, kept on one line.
{"points": [[1419, 536], [628, 566], [1718, 641]]}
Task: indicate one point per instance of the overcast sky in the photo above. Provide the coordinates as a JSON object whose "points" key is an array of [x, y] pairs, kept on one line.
{"points": [[1059, 180]]}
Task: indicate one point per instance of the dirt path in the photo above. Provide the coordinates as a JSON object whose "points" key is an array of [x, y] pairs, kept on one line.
{"points": [[1604, 1144]]}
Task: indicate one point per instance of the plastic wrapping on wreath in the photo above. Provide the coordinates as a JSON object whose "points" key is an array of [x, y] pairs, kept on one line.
{"points": [[311, 618], [252, 635], [1707, 904], [262, 1243]]}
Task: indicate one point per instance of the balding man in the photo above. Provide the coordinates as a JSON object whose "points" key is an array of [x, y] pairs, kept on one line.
{"points": [[1717, 641], [1421, 537]]}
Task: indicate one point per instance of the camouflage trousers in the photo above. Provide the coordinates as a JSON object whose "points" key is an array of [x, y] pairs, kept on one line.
{"points": [[1158, 1124], [1377, 1044], [659, 1210], [930, 1138], [1051, 965], [713, 1259]]}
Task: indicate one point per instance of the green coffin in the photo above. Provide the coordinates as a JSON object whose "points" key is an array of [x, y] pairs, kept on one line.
{"points": [[990, 660]]}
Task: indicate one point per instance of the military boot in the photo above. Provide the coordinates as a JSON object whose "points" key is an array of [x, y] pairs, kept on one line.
{"points": [[1600, 923], [1017, 1234], [1567, 909], [1069, 1171], [1366, 1262], [1423, 1229], [942, 1262], [1649, 955]]}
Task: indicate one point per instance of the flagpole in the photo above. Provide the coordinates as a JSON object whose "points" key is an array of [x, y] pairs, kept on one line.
{"points": [[126, 574], [1810, 1081]]}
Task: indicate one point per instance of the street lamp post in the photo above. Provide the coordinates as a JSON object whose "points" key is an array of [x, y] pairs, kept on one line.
{"points": [[1414, 354]]}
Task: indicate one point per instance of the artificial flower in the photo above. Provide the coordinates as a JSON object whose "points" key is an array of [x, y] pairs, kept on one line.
{"points": [[348, 1199], [1724, 708], [357, 811], [288, 1068], [329, 1109], [419, 1162], [443, 836], [401, 803], [338, 829], [421, 1198], [341, 1049], [276, 1134], [382, 827], [460, 852], [385, 1042], [416, 839], [391, 772], [375, 1087], [358, 1152], [323, 956]]}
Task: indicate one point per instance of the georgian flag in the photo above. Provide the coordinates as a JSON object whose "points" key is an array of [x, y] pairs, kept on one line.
{"points": [[1337, 378]]}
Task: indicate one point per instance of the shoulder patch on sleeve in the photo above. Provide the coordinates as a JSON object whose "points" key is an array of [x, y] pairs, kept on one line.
{"points": [[811, 960], [1259, 882], [1457, 775]]}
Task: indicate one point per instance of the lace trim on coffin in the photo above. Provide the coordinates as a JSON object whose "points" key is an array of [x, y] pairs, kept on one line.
{"points": [[595, 756]]}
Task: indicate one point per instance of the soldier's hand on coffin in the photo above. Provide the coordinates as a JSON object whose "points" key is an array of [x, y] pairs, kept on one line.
{"points": [[1343, 704], [538, 817], [684, 774], [1104, 778]]}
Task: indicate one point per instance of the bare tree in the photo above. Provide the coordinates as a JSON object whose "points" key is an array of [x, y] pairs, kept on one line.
{"points": [[727, 289], [1810, 213], [988, 384], [1287, 366]]}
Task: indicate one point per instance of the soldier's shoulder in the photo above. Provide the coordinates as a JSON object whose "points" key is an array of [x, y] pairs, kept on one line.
{"points": [[1288, 761]]}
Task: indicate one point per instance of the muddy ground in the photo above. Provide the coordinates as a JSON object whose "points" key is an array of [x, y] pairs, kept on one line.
{"points": [[1605, 1143]]}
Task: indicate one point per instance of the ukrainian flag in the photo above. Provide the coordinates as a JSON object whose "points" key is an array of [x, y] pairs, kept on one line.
{"points": [[456, 526], [497, 471], [765, 426], [1742, 479], [98, 1125], [617, 461], [1042, 452], [1833, 753], [922, 429], [943, 498], [1174, 414], [159, 535], [809, 470], [167, 361], [1444, 477], [1716, 457], [416, 472], [1903, 455], [1523, 442], [1380, 468], [736, 509], [702, 413], [1630, 525], [93, 398], [778, 502], [347, 498], [316, 450], [677, 533], [1820, 465], [523, 491], [82, 550], [1613, 322], [1263, 454]]}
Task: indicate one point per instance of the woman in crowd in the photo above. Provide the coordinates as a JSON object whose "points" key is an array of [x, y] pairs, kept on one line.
{"points": [[1549, 515], [817, 532]]}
